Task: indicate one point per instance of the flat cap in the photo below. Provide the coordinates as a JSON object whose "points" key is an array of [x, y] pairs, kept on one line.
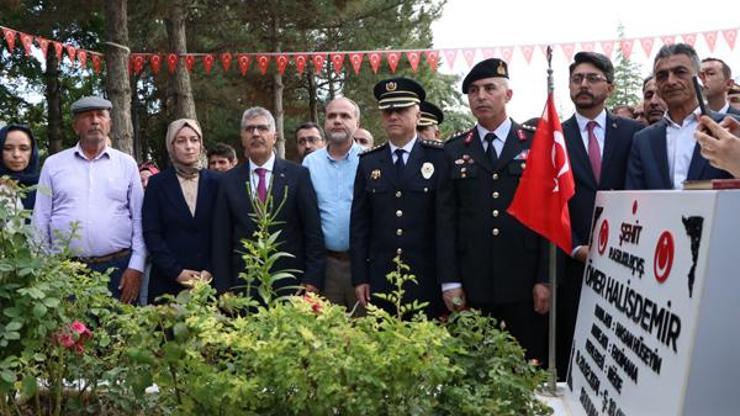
{"points": [[599, 60], [489, 68], [431, 115], [90, 103], [398, 93]]}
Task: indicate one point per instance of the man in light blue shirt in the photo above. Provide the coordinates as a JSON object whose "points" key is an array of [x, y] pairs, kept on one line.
{"points": [[333, 170]]}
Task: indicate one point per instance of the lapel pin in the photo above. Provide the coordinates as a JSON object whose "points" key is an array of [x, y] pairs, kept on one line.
{"points": [[375, 174]]}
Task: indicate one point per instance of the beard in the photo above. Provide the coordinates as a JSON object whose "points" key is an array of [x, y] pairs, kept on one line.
{"points": [[338, 137]]}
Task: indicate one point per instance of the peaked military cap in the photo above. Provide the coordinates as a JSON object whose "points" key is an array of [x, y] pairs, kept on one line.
{"points": [[90, 103], [398, 93], [431, 115], [489, 68]]}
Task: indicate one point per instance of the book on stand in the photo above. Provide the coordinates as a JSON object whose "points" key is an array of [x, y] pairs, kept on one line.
{"points": [[712, 184]]}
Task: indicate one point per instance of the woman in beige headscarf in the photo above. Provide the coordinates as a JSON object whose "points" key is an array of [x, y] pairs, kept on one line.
{"points": [[177, 213]]}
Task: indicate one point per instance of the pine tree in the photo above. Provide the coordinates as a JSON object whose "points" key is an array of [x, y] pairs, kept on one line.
{"points": [[627, 78]]}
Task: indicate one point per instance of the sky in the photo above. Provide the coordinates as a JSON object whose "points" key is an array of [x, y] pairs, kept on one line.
{"points": [[489, 23]]}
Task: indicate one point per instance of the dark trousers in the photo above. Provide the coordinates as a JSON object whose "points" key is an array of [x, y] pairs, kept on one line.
{"points": [[527, 326], [118, 265], [569, 294]]}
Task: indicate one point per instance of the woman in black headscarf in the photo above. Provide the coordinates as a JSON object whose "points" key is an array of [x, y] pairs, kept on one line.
{"points": [[20, 159]]}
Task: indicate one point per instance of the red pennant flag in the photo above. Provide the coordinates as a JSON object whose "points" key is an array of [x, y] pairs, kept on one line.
{"points": [[711, 39], [300, 63], [97, 61], [689, 38], [375, 59], [243, 60], [392, 58], [318, 62], [137, 62], [607, 47], [488, 52], [27, 42], [226, 59], [58, 48], [527, 51], [208, 62], [469, 55], [647, 45], [189, 62], [450, 55], [337, 60], [263, 62], [414, 57], [356, 60], [568, 49], [668, 39], [71, 53], [730, 35], [625, 45], [155, 61], [82, 58], [43, 45], [432, 59], [507, 52], [172, 62], [541, 199], [587, 46], [282, 63], [9, 36]]}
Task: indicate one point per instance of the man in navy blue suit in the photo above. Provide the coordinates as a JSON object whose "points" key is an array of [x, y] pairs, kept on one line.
{"points": [[289, 184], [665, 154], [598, 145]]}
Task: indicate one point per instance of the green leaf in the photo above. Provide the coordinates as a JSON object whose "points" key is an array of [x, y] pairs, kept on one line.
{"points": [[39, 310], [12, 335], [180, 330], [29, 386], [14, 326], [7, 376], [5, 267], [51, 302]]}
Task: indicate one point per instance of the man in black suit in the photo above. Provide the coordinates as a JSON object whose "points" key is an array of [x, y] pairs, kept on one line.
{"points": [[486, 258], [716, 77], [598, 145], [665, 154], [298, 220], [393, 209]]}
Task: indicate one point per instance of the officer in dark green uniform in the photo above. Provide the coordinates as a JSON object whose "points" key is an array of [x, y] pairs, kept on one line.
{"points": [[488, 260], [393, 210], [429, 121]]}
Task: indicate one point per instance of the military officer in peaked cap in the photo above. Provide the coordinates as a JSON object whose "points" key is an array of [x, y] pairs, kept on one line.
{"points": [[429, 121], [393, 210], [488, 260]]}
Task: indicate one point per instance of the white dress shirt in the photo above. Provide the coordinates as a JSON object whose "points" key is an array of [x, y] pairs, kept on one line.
{"points": [[599, 130], [407, 150], [254, 178], [501, 132], [680, 145]]}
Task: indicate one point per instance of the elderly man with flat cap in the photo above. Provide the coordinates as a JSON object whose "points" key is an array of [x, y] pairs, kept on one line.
{"points": [[431, 118], [99, 189], [393, 209], [487, 259]]}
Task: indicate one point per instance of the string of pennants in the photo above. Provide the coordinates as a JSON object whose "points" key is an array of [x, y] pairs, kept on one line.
{"points": [[318, 60]]}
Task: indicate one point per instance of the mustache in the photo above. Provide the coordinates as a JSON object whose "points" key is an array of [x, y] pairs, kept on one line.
{"points": [[584, 93]]}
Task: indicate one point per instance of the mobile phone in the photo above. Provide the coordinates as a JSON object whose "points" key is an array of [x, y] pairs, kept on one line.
{"points": [[699, 95]]}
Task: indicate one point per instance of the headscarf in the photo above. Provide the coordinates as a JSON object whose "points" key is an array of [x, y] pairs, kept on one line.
{"points": [[28, 176], [186, 171]]}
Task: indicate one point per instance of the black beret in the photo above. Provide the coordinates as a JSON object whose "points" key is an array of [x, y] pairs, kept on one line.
{"points": [[489, 68], [430, 115], [398, 92], [596, 59], [90, 103]]}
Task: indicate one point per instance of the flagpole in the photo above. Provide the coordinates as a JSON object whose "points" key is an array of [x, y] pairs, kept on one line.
{"points": [[552, 368]]}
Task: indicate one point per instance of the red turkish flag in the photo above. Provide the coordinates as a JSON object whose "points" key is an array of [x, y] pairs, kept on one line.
{"points": [[689, 38], [82, 58], [208, 63], [625, 45], [243, 60], [587, 46], [647, 45], [541, 199], [356, 60], [414, 58], [27, 42], [9, 35], [568, 49], [337, 60], [137, 62], [58, 48], [607, 47], [450, 54], [393, 58], [527, 51], [730, 36], [172, 62], [507, 52], [711, 39], [226, 59], [263, 62], [189, 62], [282, 63], [488, 52], [155, 61], [375, 59], [97, 60], [318, 62], [668, 39], [300, 63], [469, 55], [43, 45], [432, 59], [71, 53]]}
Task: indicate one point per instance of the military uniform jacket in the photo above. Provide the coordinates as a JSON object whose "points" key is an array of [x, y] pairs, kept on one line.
{"points": [[392, 215], [496, 258]]}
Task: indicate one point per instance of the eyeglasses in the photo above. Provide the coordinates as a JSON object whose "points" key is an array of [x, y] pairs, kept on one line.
{"points": [[590, 78], [262, 128], [309, 140]]}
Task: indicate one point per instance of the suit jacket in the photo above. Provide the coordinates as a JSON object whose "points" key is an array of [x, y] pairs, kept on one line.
{"points": [[298, 222], [394, 215], [497, 259], [176, 239], [734, 111], [648, 162]]}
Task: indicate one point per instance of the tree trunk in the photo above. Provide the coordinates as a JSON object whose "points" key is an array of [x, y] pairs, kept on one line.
{"points": [[279, 112], [180, 103], [313, 106], [117, 79], [136, 122], [54, 103]]}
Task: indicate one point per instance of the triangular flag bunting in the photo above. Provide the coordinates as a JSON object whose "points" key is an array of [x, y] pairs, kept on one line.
{"points": [[9, 36], [414, 58], [488, 53], [155, 61], [625, 45], [689, 38], [337, 60], [568, 49], [71, 53], [607, 46], [668, 39], [300, 63], [469, 55], [356, 60], [527, 51], [43, 45], [318, 62], [588, 46], [189, 62], [137, 62], [58, 48], [711, 39], [82, 58], [647, 45], [730, 35], [243, 60], [392, 58], [97, 60], [507, 52], [374, 59], [172, 62], [27, 42], [263, 62], [282, 63], [450, 55], [226, 59], [208, 63]]}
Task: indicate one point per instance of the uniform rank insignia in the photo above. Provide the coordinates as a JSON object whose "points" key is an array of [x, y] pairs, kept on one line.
{"points": [[375, 174], [427, 170]]}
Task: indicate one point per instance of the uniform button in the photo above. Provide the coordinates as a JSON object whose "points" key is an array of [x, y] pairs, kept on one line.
{"points": [[399, 251], [495, 176], [495, 232], [426, 189], [495, 213], [524, 165], [399, 213], [398, 194], [495, 195], [399, 232]]}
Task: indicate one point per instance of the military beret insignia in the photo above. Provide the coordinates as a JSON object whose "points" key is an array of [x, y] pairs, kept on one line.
{"points": [[501, 70], [391, 86]]}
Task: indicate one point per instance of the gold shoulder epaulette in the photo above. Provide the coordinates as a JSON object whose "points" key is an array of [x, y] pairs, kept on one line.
{"points": [[437, 144], [371, 150]]}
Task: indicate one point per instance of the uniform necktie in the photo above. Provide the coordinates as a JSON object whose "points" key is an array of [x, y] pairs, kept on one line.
{"points": [[399, 161], [261, 185], [594, 154], [490, 150]]}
